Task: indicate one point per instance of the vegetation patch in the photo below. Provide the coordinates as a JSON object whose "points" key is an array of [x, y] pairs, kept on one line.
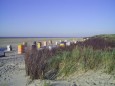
{"points": [[96, 53]]}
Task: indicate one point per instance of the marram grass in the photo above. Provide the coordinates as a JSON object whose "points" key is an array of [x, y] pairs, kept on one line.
{"points": [[92, 54], [84, 59]]}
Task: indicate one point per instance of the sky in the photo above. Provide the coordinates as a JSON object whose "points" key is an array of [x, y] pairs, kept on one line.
{"points": [[56, 18]]}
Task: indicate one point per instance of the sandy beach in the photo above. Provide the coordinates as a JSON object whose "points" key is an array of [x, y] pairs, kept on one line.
{"points": [[57, 42], [12, 71]]}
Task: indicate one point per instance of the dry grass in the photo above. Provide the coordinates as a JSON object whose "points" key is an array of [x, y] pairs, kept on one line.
{"points": [[92, 54], [36, 60]]}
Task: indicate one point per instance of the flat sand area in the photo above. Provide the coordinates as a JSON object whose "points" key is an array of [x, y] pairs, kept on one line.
{"points": [[12, 70]]}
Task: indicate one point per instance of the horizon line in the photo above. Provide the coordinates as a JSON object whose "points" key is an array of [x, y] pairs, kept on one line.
{"points": [[42, 37]]}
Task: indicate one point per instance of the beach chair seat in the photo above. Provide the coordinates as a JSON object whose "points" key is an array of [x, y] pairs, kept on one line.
{"points": [[2, 52]]}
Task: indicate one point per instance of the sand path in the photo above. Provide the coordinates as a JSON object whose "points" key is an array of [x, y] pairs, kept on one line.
{"points": [[12, 70]]}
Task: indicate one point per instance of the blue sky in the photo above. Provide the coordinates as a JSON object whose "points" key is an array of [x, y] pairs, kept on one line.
{"points": [[54, 18]]}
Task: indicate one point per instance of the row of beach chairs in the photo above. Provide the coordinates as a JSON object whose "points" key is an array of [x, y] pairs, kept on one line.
{"points": [[45, 44], [39, 45]]}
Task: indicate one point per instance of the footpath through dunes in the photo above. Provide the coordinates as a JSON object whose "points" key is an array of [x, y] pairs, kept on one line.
{"points": [[12, 70]]}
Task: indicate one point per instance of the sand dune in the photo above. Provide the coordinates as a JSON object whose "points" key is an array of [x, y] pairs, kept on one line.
{"points": [[12, 73]]}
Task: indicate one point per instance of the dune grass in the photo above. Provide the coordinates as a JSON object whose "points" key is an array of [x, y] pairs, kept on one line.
{"points": [[93, 54], [108, 37], [111, 36], [84, 59]]}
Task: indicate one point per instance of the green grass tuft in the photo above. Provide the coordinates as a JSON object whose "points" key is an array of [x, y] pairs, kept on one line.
{"points": [[84, 59]]}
